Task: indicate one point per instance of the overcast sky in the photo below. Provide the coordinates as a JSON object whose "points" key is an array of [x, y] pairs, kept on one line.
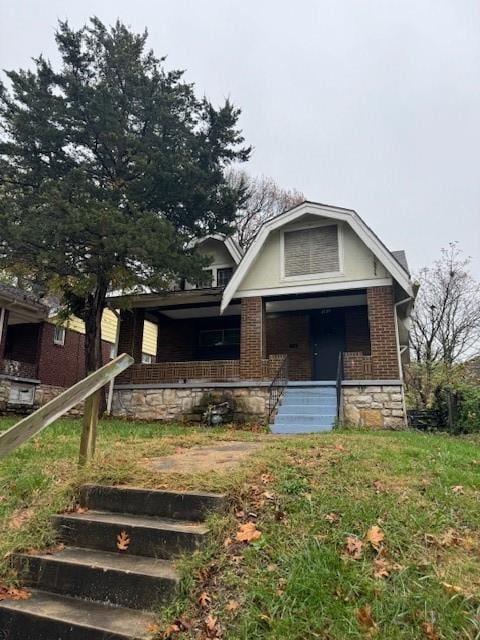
{"points": [[368, 104]]}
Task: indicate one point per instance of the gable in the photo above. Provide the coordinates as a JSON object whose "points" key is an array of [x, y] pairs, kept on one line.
{"points": [[334, 248], [217, 251]]}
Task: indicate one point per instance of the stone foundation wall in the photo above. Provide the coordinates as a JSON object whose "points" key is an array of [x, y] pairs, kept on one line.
{"points": [[4, 393], [380, 407], [249, 404], [46, 392]]}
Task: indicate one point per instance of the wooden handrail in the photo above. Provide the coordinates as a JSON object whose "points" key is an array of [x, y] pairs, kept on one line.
{"points": [[83, 390]]}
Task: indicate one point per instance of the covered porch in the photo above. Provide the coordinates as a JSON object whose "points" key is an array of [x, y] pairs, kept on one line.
{"points": [[254, 337]]}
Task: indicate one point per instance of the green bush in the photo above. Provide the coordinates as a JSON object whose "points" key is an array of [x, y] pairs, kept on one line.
{"points": [[468, 416]]}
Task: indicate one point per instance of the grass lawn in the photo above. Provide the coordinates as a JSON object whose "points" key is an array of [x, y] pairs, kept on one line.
{"points": [[312, 573]]}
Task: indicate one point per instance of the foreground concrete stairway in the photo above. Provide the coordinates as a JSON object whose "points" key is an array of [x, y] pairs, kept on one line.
{"points": [[92, 591]]}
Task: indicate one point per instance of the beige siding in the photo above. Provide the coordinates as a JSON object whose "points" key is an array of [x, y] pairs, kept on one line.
{"points": [[359, 262], [109, 330], [150, 331], [217, 251]]}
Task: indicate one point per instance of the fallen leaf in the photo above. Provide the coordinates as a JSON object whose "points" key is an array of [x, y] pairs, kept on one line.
{"points": [[14, 594], [170, 630], [364, 618], [428, 631], [272, 567], [379, 487], [458, 489], [211, 627], [451, 588], [381, 568], [248, 532], [153, 628], [375, 537], [449, 538], [332, 517], [204, 599], [239, 514], [232, 605], [227, 542], [269, 495], [354, 547], [266, 478], [123, 540]]}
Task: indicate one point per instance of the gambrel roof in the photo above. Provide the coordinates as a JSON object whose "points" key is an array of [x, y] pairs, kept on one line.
{"points": [[391, 262]]}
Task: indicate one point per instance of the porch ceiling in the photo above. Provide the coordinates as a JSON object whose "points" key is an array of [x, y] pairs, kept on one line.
{"points": [[315, 302]]}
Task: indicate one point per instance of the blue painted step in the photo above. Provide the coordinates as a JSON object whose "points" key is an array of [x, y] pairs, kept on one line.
{"points": [[309, 409]]}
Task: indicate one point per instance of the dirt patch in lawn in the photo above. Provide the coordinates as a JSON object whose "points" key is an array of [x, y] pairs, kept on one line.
{"points": [[221, 457]]}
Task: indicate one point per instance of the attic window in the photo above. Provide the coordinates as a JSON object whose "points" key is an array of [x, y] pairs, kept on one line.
{"points": [[311, 251]]}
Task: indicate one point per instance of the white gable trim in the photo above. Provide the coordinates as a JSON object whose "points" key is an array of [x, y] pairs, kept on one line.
{"points": [[347, 215]]}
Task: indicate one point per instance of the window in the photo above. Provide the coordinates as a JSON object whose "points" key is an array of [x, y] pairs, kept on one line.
{"points": [[59, 336], [147, 358], [223, 276], [311, 251], [219, 337]]}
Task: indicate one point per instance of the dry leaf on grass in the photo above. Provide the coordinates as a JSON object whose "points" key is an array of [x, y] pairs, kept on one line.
{"points": [[211, 628], [204, 599], [364, 618], [123, 540], [232, 605], [248, 532], [177, 626], [428, 631], [13, 594], [458, 489], [19, 518], [375, 537], [354, 547], [332, 517], [381, 568], [451, 588]]}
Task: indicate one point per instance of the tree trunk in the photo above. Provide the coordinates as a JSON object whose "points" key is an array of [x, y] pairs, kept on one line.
{"points": [[93, 336]]}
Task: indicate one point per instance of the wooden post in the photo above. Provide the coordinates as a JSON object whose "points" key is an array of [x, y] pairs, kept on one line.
{"points": [[89, 431]]}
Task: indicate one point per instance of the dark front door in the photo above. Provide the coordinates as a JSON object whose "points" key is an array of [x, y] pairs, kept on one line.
{"points": [[328, 340]]}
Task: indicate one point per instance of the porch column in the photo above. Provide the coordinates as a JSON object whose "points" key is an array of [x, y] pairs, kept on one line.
{"points": [[3, 334], [252, 338], [381, 318], [130, 337]]}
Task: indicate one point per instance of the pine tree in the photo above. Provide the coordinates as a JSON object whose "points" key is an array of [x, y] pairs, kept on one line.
{"points": [[109, 167]]}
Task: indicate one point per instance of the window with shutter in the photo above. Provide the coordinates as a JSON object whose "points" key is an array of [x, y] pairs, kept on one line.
{"points": [[310, 251]]}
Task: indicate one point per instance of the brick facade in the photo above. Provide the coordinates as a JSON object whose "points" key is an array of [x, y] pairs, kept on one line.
{"points": [[63, 365], [357, 331], [252, 338], [289, 333], [175, 340], [383, 340], [130, 338]]}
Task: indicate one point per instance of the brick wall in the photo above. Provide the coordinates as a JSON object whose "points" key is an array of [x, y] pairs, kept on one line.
{"points": [[382, 333], [252, 338], [63, 366], [130, 339], [290, 334]]}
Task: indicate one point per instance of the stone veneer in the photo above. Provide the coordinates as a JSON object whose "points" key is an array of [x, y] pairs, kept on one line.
{"points": [[181, 403], [43, 394], [379, 406]]}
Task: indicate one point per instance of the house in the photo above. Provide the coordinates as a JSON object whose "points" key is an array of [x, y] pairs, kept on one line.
{"points": [[315, 311], [40, 357]]}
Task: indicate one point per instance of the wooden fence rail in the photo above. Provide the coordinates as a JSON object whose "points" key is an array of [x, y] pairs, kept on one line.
{"points": [[86, 390]]}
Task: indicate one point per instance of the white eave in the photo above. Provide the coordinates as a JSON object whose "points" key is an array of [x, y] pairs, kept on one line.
{"points": [[229, 243], [349, 216]]}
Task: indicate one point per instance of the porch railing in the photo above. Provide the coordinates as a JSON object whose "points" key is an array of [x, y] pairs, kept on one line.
{"points": [[340, 375], [277, 386]]}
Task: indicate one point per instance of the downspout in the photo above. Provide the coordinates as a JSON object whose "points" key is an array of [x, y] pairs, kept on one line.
{"points": [[2, 320], [115, 352], [399, 354]]}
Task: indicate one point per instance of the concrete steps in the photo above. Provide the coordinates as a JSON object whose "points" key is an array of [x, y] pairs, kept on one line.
{"points": [[309, 409], [92, 591]]}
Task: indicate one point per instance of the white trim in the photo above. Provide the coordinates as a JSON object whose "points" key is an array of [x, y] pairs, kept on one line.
{"points": [[314, 288], [2, 320], [312, 276], [346, 215], [59, 341]]}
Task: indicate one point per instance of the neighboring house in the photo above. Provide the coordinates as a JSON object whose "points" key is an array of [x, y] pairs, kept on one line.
{"points": [[39, 357], [316, 288]]}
